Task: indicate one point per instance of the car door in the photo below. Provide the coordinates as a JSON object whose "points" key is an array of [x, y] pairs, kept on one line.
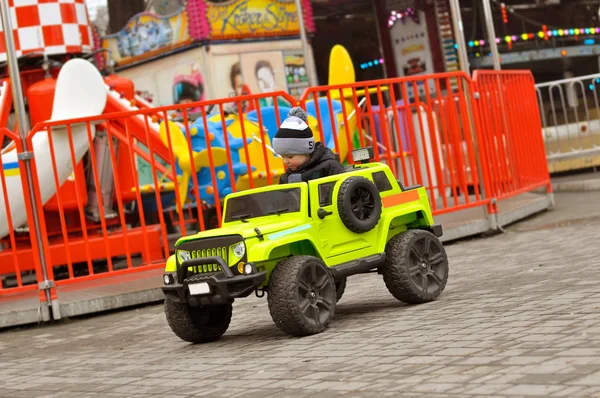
{"points": [[334, 238]]}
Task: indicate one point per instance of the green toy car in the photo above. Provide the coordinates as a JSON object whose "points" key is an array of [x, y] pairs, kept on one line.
{"points": [[299, 242]]}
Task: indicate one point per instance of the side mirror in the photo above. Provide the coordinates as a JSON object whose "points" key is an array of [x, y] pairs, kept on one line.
{"points": [[322, 213]]}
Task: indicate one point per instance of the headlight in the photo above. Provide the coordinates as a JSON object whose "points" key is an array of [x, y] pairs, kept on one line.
{"points": [[239, 249], [183, 255], [248, 269], [168, 279]]}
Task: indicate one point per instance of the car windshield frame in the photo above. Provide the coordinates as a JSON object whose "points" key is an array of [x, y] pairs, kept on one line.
{"points": [[262, 204]]}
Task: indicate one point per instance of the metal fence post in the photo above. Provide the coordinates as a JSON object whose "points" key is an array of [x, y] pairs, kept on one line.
{"points": [[459, 35], [489, 22], [491, 210], [304, 40], [26, 155]]}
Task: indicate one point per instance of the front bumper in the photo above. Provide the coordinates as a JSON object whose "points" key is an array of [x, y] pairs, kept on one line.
{"points": [[224, 285]]}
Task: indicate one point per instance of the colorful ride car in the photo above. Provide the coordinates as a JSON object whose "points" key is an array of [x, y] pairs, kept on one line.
{"points": [[298, 243]]}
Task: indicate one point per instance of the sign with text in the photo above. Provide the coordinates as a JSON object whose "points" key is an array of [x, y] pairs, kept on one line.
{"points": [[252, 18]]}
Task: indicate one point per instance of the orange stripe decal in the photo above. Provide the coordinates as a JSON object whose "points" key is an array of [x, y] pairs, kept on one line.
{"points": [[400, 198]]}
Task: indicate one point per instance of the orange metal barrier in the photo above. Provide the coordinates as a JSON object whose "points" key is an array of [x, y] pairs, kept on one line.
{"points": [[468, 146], [18, 274], [134, 227], [5, 102], [420, 127], [512, 144]]}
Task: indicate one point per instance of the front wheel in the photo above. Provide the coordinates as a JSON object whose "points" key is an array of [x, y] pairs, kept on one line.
{"points": [[416, 266], [302, 296], [197, 324], [340, 288]]}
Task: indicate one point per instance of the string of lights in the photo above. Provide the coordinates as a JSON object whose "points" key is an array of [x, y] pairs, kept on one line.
{"points": [[505, 20], [397, 16], [372, 63], [544, 34], [540, 35]]}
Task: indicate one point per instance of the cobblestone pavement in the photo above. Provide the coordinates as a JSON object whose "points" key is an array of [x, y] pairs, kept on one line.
{"points": [[519, 317]]}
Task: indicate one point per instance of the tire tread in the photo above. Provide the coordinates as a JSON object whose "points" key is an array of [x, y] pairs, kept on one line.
{"points": [[395, 274], [282, 298], [182, 323]]}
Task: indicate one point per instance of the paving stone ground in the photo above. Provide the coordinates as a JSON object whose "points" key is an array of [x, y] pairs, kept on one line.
{"points": [[520, 317]]}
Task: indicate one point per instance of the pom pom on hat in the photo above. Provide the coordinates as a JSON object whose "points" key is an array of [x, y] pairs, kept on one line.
{"points": [[298, 112]]}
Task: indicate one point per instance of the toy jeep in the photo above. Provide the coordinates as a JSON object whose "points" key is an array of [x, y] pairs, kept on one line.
{"points": [[299, 242]]}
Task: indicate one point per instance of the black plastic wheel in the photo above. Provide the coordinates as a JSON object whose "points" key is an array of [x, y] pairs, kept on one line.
{"points": [[340, 288], [301, 296], [416, 267], [197, 324], [359, 204]]}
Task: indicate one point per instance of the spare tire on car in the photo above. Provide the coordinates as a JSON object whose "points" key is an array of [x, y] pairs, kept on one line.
{"points": [[359, 204]]}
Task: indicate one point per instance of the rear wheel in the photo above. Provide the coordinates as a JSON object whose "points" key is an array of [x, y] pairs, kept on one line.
{"points": [[197, 324], [302, 296], [416, 266]]}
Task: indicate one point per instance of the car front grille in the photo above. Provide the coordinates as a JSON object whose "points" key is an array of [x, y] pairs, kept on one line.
{"points": [[210, 247], [214, 252]]}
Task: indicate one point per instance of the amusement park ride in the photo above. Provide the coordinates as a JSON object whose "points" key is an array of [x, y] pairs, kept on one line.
{"points": [[53, 86]]}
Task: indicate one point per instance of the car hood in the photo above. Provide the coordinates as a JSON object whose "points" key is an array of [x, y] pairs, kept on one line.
{"points": [[246, 230]]}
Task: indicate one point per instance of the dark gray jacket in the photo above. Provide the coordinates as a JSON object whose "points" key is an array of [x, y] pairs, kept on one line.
{"points": [[322, 163]]}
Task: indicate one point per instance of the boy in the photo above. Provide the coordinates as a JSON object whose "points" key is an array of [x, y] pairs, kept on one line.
{"points": [[304, 159]]}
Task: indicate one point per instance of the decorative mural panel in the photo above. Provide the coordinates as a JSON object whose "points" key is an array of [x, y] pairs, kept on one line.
{"points": [[147, 35], [262, 71]]}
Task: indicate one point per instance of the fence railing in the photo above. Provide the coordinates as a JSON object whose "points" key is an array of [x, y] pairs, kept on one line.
{"points": [[19, 257], [115, 191], [570, 113], [511, 145], [422, 130]]}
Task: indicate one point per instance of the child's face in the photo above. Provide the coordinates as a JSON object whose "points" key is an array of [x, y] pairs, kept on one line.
{"points": [[292, 162]]}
